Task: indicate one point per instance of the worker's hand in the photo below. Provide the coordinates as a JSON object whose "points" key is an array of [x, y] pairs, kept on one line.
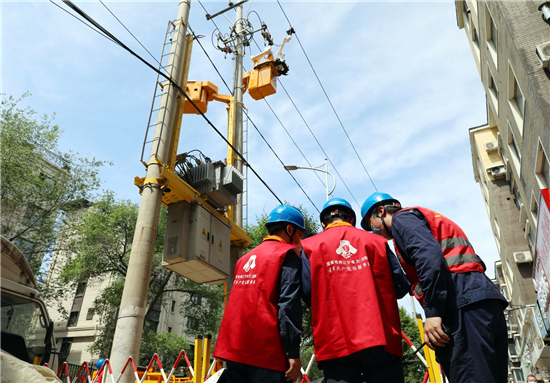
{"points": [[434, 334], [293, 372]]}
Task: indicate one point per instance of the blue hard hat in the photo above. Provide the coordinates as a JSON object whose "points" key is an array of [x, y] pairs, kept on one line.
{"points": [[371, 202], [99, 363], [331, 203], [285, 213]]}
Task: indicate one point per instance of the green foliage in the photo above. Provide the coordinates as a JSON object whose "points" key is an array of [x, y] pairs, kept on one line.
{"points": [[167, 345], [305, 356], [99, 241], [414, 372], [38, 180]]}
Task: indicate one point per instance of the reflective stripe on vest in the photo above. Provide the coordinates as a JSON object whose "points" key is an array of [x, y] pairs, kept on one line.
{"points": [[456, 248]]}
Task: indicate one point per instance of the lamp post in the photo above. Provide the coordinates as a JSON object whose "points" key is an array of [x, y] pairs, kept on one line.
{"points": [[317, 169]]}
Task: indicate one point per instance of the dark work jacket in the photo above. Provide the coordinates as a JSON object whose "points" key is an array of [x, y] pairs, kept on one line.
{"points": [[443, 291]]}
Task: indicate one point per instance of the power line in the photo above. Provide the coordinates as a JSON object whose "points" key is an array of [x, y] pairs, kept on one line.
{"points": [[311, 131], [326, 95], [89, 26], [318, 143], [167, 77], [303, 119], [129, 32], [255, 127]]}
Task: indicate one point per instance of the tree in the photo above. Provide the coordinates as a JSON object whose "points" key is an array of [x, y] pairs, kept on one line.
{"points": [[414, 370], [99, 242], [38, 179], [167, 345]]}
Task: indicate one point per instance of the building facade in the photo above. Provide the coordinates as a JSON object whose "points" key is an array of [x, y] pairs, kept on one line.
{"points": [[510, 43], [76, 325]]}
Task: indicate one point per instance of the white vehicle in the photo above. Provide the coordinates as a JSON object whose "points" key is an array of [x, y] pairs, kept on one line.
{"points": [[27, 331]]}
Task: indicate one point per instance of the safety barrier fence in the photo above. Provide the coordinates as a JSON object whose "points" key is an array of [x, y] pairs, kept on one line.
{"points": [[196, 375]]}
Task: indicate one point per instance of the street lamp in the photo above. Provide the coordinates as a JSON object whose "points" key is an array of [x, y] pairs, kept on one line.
{"points": [[317, 169]]}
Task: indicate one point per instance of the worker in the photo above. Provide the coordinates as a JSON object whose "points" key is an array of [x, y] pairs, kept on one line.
{"points": [[447, 277], [531, 378], [260, 333], [98, 366], [356, 325]]}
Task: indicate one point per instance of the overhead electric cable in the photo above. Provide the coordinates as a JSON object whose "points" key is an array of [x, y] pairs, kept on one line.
{"points": [[89, 26], [167, 77], [328, 98], [139, 42], [320, 146], [255, 127], [313, 134], [206, 53]]}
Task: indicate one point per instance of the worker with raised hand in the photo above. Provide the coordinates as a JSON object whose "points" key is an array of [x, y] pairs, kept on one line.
{"points": [[260, 333], [355, 282], [447, 277]]}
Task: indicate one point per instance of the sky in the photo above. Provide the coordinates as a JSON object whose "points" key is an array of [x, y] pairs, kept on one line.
{"points": [[400, 76]]}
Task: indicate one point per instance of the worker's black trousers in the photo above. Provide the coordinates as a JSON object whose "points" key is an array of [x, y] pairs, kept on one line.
{"points": [[371, 365], [478, 350], [245, 373]]}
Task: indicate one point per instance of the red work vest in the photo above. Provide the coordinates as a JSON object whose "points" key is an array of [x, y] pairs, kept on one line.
{"points": [[459, 254], [353, 299], [249, 332]]}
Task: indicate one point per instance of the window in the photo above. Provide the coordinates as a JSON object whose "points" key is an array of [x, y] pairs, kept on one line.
{"points": [[491, 36], [80, 289], [65, 350], [173, 306], [493, 86], [494, 33], [169, 329], [475, 36], [518, 374], [192, 323], [196, 299], [534, 208], [517, 195], [90, 314], [73, 319], [518, 98], [497, 227], [492, 90], [542, 168], [515, 99], [514, 149]]}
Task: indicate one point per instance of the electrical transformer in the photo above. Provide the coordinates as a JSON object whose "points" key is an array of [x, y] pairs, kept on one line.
{"points": [[197, 243]]}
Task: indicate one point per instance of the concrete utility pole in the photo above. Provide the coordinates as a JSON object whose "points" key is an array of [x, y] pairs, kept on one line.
{"points": [[237, 251], [131, 315], [238, 94]]}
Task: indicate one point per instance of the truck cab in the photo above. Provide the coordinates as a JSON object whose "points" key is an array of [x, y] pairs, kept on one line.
{"points": [[27, 331]]}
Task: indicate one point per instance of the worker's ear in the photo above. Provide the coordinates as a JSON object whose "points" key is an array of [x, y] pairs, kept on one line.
{"points": [[323, 225]]}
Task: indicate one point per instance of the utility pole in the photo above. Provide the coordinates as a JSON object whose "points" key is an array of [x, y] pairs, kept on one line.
{"points": [[131, 316], [238, 94], [236, 252]]}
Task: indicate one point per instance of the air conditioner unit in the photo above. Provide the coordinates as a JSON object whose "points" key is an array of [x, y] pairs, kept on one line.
{"points": [[514, 358], [497, 171], [514, 328], [491, 146], [522, 257], [543, 54]]}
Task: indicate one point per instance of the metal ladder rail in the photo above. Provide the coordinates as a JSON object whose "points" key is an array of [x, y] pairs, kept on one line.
{"points": [[169, 69]]}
